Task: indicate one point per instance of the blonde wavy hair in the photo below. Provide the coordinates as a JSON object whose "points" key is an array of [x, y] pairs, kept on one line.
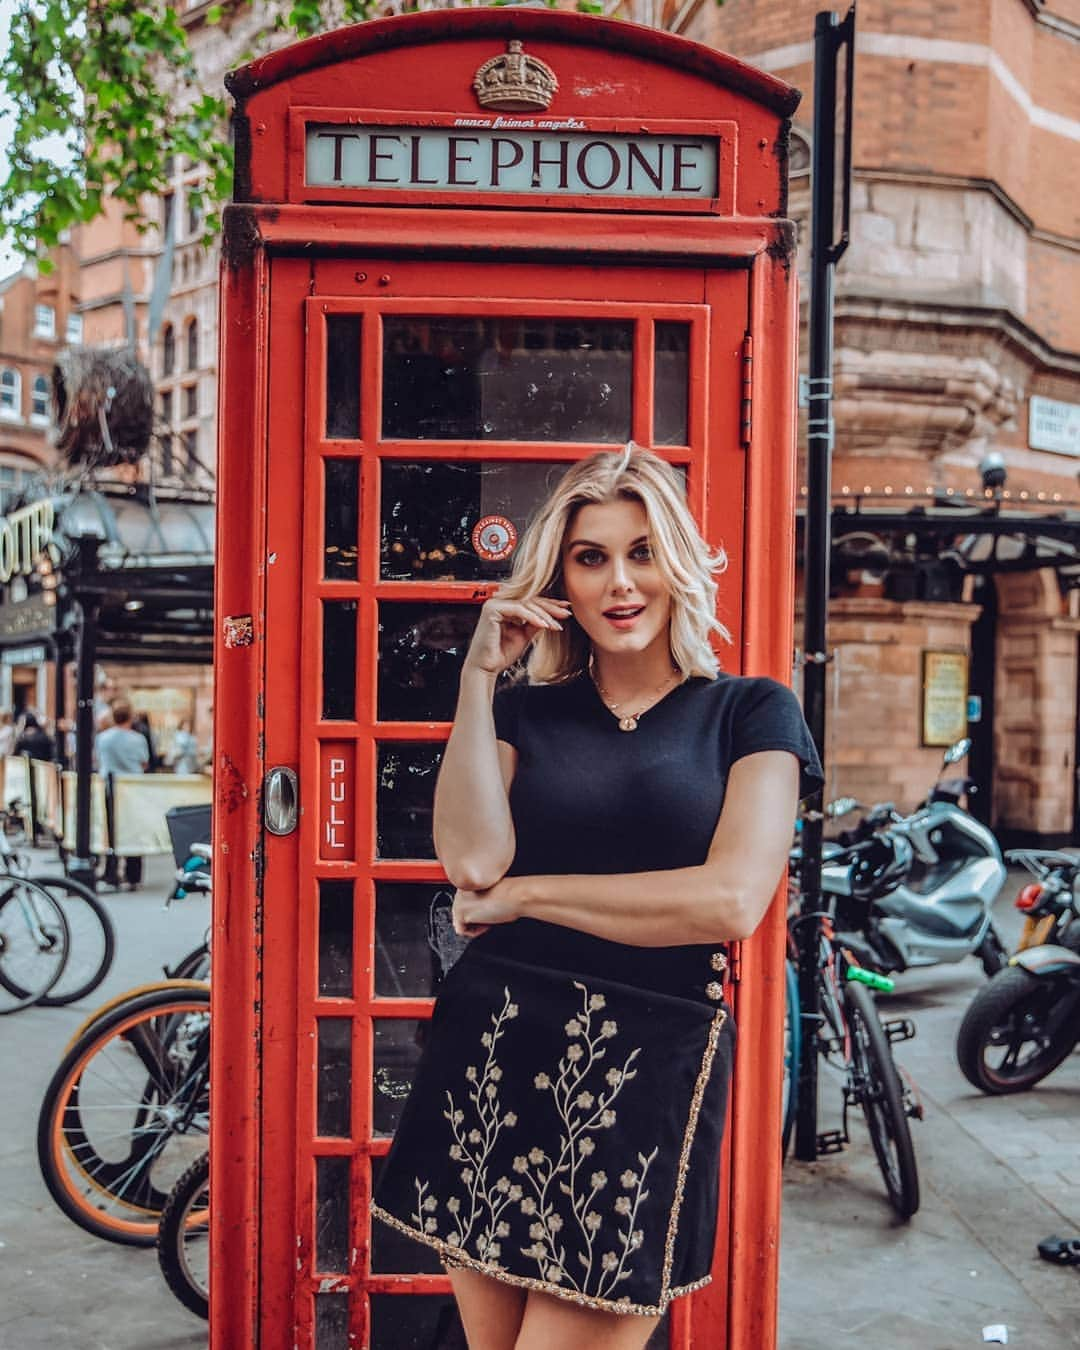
{"points": [[686, 563]]}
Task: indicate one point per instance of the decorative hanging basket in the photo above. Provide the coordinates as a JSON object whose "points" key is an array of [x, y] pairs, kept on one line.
{"points": [[104, 405]]}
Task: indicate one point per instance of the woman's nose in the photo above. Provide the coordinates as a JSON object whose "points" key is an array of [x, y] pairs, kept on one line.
{"points": [[620, 578]]}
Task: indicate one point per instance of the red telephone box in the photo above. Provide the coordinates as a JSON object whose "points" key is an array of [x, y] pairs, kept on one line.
{"points": [[468, 247]]}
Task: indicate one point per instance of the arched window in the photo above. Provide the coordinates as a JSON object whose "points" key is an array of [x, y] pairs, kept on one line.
{"points": [[193, 345], [39, 399], [10, 393], [168, 350]]}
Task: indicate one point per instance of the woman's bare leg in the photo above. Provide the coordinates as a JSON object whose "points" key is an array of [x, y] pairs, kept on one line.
{"points": [[491, 1311], [552, 1322]]}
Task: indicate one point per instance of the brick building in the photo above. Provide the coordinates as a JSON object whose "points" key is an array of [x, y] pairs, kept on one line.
{"points": [[956, 307], [39, 316]]}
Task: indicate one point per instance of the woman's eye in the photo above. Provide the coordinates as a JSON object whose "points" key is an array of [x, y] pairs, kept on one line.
{"points": [[643, 553], [590, 557]]}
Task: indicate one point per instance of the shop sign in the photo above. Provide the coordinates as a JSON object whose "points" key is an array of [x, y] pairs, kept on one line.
{"points": [[531, 155], [24, 535], [24, 656], [944, 697], [1054, 425], [27, 618]]}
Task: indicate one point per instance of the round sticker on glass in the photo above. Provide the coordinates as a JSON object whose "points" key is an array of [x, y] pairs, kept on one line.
{"points": [[494, 538]]}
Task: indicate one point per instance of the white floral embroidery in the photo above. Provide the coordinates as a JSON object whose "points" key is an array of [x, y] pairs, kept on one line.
{"points": [[477, 1216], [581, 1105], [563, 1209]]}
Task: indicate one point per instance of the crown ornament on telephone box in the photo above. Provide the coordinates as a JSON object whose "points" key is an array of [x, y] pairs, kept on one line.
{"points": [[515, 82]]}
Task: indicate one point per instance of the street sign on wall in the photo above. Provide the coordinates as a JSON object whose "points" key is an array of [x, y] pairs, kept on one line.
{"points": [[1054, 425]]}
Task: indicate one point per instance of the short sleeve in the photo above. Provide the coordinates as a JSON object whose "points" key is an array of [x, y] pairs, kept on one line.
{"points": [[509, 695], [769, 718]]}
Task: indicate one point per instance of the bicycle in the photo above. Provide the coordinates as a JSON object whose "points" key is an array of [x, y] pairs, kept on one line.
{"points": [[35, 941], [92, 937], [183, 1243], [127, 1110], [192, 966], [855, 1045]]}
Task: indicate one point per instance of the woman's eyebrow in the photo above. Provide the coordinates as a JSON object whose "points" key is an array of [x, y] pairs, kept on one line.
{"points": [[588, 543]]}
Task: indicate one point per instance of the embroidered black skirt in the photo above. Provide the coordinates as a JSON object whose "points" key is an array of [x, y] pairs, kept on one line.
{"points": [[563, 1134]]}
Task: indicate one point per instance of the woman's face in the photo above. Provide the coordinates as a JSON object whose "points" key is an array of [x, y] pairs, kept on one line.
{"points": [[618, 596]]}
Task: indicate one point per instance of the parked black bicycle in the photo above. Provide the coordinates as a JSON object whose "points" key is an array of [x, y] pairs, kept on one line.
{"points": [[855, 1049]]}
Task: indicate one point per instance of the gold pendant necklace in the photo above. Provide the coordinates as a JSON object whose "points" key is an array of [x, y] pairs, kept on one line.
{"points": [[628, 721]]}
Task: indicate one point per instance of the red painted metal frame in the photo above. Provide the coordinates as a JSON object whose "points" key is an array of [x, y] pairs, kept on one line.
{"points": [[235, 1142], [642, 313], [263, 1017], [368, 589]]}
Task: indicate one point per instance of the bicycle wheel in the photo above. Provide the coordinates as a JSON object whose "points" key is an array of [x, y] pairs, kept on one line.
{"points": [[127, 1112], [194, 966], [151, 987], [879, 1092], [34, 943], [792, 1054], [183, 1242], [92, 943]]}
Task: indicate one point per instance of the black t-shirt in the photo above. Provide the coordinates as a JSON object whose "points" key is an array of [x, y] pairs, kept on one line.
{"points": [[589, 798]]}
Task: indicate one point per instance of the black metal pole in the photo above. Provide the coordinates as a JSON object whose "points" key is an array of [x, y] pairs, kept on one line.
{"points": [[82, 866], [829, 37], [59, 704]]}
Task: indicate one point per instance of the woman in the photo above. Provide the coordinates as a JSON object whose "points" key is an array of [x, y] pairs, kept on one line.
{"points": [[609, 823]]}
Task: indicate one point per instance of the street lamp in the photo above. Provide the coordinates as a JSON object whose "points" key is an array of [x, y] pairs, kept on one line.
{"points": [[993, 471]]}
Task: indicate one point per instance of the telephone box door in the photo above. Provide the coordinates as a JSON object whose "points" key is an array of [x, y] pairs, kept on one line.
{"points": [[413, 429]]}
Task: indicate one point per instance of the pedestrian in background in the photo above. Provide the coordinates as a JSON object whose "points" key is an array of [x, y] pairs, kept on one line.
{"points": [[185, 749], [120, 749], [141, 723], [34, 740]]}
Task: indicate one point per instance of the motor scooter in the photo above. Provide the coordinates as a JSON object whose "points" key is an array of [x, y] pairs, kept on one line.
{"points": [[952, 872]]}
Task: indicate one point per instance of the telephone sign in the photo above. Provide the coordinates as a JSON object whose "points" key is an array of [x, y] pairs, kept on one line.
{"points": [[513, 157]]}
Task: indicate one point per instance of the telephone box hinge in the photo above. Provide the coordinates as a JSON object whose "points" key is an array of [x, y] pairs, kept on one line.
{"points": [[747, 390]]}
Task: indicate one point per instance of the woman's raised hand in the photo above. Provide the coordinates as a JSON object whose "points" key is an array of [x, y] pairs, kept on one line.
{"points": [[506, 627]]}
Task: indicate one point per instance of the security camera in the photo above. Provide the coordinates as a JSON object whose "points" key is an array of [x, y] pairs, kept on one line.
{"points": [[992, 468]]}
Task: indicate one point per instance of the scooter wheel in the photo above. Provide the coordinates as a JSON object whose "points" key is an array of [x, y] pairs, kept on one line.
{"points": [[1010, 1038]]}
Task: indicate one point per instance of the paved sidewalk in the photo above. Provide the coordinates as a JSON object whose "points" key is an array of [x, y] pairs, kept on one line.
{"points": [[998, 1174], [59, 1286]]}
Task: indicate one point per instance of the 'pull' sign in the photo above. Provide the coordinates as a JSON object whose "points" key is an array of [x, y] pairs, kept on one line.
{"points": [[337, 815]]}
